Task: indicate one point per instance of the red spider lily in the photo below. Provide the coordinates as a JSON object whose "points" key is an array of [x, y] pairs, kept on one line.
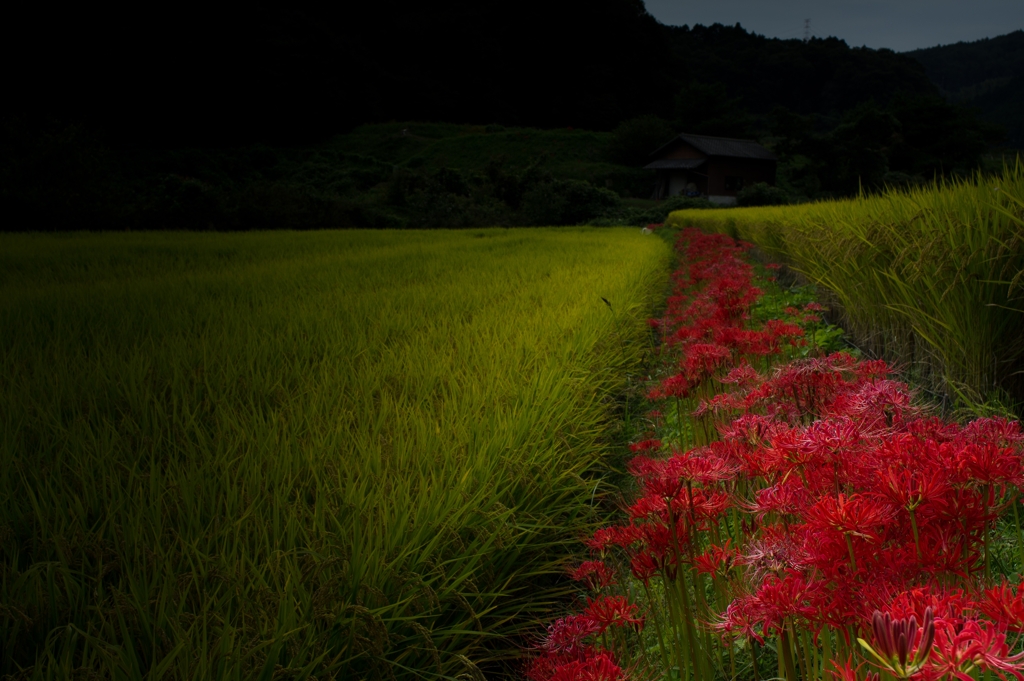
{"points": [[848, 673], [837, 490], [791, 445], [778, 331], [872, 369], [678, 386], [880, 405], [773, 553], [780, 599], [989, 464], [760, 462], [998, 431], [746, 341], [897, 647], [595, 573], [750, 428], [909, 489], [933, 428], [567, 635], [944, 550], [854, 515], [617, 611], [704, 359], [644, 566], [591, 666], [788, 496], [828, 437], [648, 506], [614, 535], [645, 446], [718, 405], [967, 509], [1004, 606], [716, 559], [964, 645], [601, 667], [742, 375], [946, 604], [743, 617], [698, 466], [701, 506], [660, 542]]}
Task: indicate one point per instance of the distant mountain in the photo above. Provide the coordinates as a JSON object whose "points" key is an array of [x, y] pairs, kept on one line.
{"points": [[822, 76], [987, 75]]}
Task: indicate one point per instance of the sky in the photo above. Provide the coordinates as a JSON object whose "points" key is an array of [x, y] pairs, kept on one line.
{"points": [[899, 25]]}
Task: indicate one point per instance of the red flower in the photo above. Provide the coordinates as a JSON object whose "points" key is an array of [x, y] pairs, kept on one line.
{"points": [[1005, 607], [716, 558], [855, 514], [595, 573], [960, 646], [567, 635], [848, 673], [608, 611]]}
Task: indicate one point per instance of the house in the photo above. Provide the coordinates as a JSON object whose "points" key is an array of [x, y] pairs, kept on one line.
{"points": [[712, 167]]}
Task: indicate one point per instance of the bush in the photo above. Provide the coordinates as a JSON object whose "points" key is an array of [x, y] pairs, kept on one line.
{"points": [[762, 194], [657, 214], [566, 202], [185, 203]]}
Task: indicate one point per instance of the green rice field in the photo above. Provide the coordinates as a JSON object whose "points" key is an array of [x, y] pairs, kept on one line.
{"points": [[930, 278], [296, 455]]}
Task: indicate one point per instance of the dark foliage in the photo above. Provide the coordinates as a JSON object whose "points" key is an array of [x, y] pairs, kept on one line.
{"points": [[635, 139], [987, 75], [131, 128], [640, 217], [562, 202], [290, 75], [762, 194], [822, 76], [912, 140]]}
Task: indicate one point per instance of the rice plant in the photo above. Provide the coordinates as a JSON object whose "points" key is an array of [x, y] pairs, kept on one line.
{"points": [[286, 455], [930, 278]]}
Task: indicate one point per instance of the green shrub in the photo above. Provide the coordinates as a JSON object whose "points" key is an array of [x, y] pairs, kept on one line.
{"points": [[639, 217], [566, 202], [762, 194], [186, 203]]}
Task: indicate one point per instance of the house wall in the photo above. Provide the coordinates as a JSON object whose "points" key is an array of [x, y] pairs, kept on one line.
{"points": [[673, 183], [678, 181], [751, 170]]}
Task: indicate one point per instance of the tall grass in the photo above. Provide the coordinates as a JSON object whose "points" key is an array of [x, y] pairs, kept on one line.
{"points": [[276, 455], [930, 278]]}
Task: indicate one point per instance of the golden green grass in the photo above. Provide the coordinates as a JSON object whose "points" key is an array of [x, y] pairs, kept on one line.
{"points": [[340, 454], [929, 278]]}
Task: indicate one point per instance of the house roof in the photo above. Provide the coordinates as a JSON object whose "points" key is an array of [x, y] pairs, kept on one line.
{"points": [[676, 164], [721, 146]]}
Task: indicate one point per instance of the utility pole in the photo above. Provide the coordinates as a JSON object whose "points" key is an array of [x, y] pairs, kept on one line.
{"points": [[807, 30]]}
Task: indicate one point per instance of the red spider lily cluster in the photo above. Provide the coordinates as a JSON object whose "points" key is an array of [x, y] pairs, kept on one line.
{"points": [[808, 515]]}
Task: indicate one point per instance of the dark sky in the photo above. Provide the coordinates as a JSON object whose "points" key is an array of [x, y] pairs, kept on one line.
{"points": [[900, 25]]}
